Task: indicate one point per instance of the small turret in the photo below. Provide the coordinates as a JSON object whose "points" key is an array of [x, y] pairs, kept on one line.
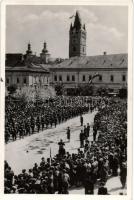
{"points": [[44, 50], [44, 54], [29, 51]]}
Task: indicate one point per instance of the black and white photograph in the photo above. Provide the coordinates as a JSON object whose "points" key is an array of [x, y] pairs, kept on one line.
{"points": [[66, 99]]}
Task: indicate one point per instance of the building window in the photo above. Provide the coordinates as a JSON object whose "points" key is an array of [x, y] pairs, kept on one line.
{"points": [[24, 81], [73, 78], [100, 78], [74, 48], [112, 78], [55, 78], [84, 78], [7, 80], [90, 77], [18, 80], [123, 78], [68, 78], [60, 78]]}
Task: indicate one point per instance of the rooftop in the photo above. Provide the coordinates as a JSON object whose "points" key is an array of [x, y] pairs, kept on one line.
{"points": [[29, 68], [99, 61]]}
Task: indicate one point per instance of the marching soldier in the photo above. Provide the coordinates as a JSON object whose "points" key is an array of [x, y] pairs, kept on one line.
{"points": [[81, 120], [38, 124], [88, 129], [68, 134], [61, 148], [42, 122], [82, 137]]}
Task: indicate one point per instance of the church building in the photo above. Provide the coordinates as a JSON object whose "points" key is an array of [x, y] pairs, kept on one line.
{"points": [[78, 70]]}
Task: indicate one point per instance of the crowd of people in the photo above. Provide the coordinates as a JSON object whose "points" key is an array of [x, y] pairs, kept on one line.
{"points": [[26, 118], [93, 164]]}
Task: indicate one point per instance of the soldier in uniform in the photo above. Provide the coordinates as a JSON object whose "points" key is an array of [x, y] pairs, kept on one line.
{"points": [[88, 129], [85, 132], [68, 134], [42, 122], [61, 148], [94, 132], [123, 174], [38, 124], [81, 120], [82, 139]]}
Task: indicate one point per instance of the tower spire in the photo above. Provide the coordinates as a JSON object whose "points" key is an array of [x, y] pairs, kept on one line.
{"points": [[77, 21]]}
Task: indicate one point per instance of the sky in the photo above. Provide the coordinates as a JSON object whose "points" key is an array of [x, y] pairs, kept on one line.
{"points": [[107, 28]]}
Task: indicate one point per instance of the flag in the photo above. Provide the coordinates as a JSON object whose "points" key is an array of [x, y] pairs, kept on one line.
{"points": [[71, 17]]}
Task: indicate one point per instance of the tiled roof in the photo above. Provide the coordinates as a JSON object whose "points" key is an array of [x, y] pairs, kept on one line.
{"points": [[29, 68], [99, 61]]}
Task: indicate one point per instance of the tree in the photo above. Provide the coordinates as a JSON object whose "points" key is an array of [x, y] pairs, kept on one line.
{"points": [[102, 91], [12, 89], [85, 90], [123, 93], [59, 88]]}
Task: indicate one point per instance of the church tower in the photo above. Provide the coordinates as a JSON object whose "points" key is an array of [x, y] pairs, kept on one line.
{"points": [[44, 54], [77, 37]]}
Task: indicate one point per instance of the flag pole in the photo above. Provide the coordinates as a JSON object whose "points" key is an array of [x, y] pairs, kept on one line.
{"points": [[50, 157]]}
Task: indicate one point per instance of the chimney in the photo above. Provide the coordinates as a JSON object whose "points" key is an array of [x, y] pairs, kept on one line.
{"points": [[104, 53]]}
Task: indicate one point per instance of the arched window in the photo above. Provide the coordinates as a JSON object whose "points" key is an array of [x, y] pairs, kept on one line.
{"points": [[18, 80], [100, 78], [112, 78], [123, 78], [84, 78], [73, 78], [60, 78], [55, 78], [90, 77], [74, 48], [68, 78], [7, 80], [24, 81]]}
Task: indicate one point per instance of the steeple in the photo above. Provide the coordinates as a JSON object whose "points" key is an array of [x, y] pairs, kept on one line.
{"points": [[29, 52], [77, 21], [44, 55], [44, 50]]}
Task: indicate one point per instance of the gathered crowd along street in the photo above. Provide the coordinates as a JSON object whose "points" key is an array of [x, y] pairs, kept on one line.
{"points": [[95, 161], [23, 119]]}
